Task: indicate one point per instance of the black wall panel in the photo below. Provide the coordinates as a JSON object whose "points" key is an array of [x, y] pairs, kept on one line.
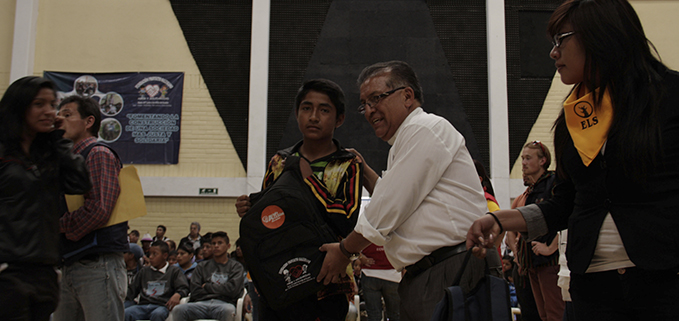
{"points": [[529, 68], [359, 33], [444, 40], [295, 26], [218, 35]]}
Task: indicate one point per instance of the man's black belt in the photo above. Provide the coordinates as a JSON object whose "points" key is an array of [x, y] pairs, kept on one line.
{"points": [[434, 258]]}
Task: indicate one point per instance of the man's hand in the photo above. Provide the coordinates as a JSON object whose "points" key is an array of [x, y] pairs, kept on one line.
{"points": [[58, 122], [482, 233], [359, 158], [539, 248], [369, 175], [243, 205], [174, 300], [334, 264]]}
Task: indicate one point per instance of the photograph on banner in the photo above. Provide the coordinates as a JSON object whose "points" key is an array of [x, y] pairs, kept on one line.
{"points": [[140, 111]]}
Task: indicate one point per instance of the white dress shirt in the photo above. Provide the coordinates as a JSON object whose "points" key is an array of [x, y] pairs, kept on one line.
{"points": [[429, 195]]}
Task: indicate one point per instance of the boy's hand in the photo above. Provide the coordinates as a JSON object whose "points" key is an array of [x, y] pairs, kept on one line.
{"points": [[174, 300], [243, 205]]}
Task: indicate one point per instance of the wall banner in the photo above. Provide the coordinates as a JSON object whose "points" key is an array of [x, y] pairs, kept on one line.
{"points": [[141, 112]]}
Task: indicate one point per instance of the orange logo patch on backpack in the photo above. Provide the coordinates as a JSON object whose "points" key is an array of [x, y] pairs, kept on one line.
{"points": [[273, 217]]}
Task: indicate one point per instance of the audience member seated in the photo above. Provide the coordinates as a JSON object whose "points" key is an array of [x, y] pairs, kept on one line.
{"points": [[172, 245], [160, 234], [160, 286], [237, 255], [194, 238], [172, 257], [185, 260], [133, 236], [216, 285], [198, 255], [133, 261], [146, 243], [206, 248]]}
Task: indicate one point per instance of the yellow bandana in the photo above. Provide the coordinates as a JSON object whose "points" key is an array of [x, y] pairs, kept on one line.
{"points": [[588, 127]]}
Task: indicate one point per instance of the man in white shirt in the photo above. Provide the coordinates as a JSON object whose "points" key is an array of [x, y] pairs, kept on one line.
{"points": [[426, 200]]}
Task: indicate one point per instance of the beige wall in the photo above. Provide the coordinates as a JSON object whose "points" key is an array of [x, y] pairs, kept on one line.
{"points": [[659, 19], [7, 9], [215, 215]]}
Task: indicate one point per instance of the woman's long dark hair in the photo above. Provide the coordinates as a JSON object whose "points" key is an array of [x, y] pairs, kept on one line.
{"points": [[620, 59], [13, 106]]}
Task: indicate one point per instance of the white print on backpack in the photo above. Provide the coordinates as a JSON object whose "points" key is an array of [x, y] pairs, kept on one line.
{"points": [[295, 272]]}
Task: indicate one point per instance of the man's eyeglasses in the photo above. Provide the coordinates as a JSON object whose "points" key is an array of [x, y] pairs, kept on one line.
{"points": [[542, 148], [558, 38], [374, 100]]}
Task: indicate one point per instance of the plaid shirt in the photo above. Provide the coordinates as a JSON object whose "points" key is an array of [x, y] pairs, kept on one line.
{"points": [[100, 200]]}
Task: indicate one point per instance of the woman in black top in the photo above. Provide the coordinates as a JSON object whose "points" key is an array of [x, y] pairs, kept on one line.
{"points": [[617, 153], [36, 169]]}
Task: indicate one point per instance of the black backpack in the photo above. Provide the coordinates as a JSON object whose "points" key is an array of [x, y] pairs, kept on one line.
{"points": [[280, 236]]}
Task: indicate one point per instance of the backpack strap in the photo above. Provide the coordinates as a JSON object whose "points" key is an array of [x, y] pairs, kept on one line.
{"points": [[86, 151]]}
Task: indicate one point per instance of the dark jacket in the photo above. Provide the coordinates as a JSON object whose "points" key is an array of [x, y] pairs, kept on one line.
{"points": [[31, 199], [646, 215], [187, 240]]}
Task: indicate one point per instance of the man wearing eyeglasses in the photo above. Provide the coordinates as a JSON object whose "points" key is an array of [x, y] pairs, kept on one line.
{"points": [[538, 260], [426, 199]]}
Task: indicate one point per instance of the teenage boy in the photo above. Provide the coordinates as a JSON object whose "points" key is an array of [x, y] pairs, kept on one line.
{"points": [[216, 285], [207, 246], [133, 237], [186, 260], [333, 175], [160, 233], [159, 286]]}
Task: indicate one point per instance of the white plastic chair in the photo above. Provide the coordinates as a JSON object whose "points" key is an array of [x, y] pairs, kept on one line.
{"points": [[354, 313], [239, 306], [515, 313]]}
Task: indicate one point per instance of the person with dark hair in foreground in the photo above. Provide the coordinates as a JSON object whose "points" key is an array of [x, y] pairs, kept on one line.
{"points": [[617, 154], [36, 169]]}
